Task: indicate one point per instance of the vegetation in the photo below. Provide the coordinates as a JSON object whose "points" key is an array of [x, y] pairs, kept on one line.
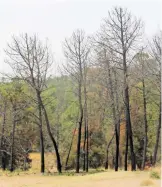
{"points": [[103, 110]]}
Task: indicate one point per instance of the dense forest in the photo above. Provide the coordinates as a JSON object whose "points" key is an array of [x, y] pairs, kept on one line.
{"points": [[102, 110]]}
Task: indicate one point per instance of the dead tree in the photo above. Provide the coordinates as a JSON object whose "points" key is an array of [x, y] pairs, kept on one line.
{"points": [[119, 33], [142, 58], [31, 60], [156, 52], [2, 146], [76, 51]]}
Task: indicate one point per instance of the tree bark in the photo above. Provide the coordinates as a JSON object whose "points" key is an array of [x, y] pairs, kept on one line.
{"points": [[13, 140], [87, 147], [145, 126], [107, 152], [126, 149], [157, 137], [127, 115], [126, 97], [78, 142], [59, 166], [67, 158], [114, 115], [41, 134], [2, 146]]}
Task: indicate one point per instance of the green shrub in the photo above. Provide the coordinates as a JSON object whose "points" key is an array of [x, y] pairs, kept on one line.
{"points": [[155, 175]]}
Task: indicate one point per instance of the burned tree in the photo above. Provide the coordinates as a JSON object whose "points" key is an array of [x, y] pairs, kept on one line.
{"points": [[119, 34], [30, 59], [156, 52], [76, 51]]}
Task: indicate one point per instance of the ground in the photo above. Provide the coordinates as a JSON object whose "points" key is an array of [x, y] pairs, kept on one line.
{"points": [[103, 179]]}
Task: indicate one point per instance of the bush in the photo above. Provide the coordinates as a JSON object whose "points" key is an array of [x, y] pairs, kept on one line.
{"points": [[155, 175]]}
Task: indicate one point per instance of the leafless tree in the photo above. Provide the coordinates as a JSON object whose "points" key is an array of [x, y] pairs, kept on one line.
{"points": [[31, 60], [156, 52], [141, 75], [119, 34], [76, 51]]}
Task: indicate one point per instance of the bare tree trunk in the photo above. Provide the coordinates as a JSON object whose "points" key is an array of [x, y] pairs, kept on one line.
{"points": [[41, 135], [13, 140], [59, 166], [145, 126], [114, 115], [157, 137], [67, 158], [79, 140], [84, 146], [2, 139], [107, 152], [87, 147], [118, 118], [127, 116], [126, 149], [42, 150]]}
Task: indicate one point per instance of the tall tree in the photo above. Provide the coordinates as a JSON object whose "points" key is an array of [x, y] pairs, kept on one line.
{"points": [[156, 52], [31, 60], [120, 33], [76, 51]]}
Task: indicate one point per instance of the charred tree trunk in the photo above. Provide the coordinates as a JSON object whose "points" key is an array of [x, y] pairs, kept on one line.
{"points": [[118, 118], [157, 137], [59, 166], [84, 144], [107, 152], [42, 150], [114, 115], [41, 135], [67, 158], [2, 146], [78, 142], [126, 150], [145, 126], [87, 148], [13, 140], [127, 115]]}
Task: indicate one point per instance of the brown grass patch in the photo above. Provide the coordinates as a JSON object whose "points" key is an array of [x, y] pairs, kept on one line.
{"points": [[147, 182]]}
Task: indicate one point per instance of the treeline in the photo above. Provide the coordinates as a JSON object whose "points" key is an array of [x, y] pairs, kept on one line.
{"points": [[104, 110]]}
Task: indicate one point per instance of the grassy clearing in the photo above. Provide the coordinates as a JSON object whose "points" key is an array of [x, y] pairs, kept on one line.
{"points": [[103, 179]]}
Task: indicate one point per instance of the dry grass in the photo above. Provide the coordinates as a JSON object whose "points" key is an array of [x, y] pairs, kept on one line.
{"points": [[147, 182], [50, 162], [103, 179]]}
